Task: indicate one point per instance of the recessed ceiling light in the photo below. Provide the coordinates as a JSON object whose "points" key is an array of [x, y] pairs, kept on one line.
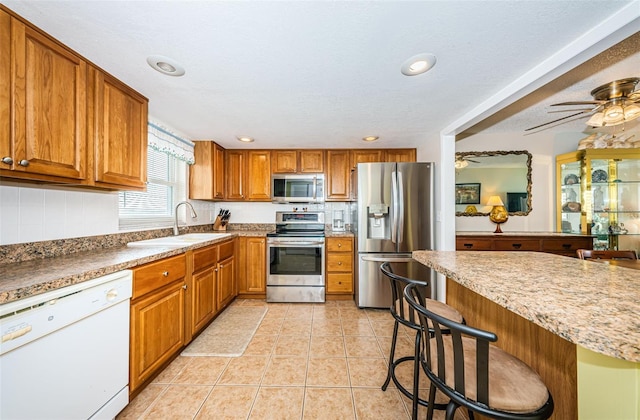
{"points": [[418, 64], [370, 138], [245, 139], [165, 65]]}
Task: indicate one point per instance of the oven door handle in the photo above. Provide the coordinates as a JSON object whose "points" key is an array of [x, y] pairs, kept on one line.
{"points": [[288, 243]]}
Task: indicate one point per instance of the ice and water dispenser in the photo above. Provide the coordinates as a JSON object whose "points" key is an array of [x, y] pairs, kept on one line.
{"points": [[378, 225]]}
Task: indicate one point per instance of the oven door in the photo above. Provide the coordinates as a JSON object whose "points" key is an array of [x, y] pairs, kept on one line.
{"points": [[295, 261]]}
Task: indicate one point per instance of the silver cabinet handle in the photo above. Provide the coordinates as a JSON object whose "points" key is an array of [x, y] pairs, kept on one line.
{"points": [[165, 273], [7, 160], [24, 163], [184, 286], [339, 262]]}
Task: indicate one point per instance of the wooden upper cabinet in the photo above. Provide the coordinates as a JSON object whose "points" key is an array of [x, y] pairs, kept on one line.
{"points": [[235, 174], [400, 155], [5, 90], [120, 113], [258, 175], [284, 161], [338, 175], [49, 106], [206, 177], [366, 156], [297, 161]]}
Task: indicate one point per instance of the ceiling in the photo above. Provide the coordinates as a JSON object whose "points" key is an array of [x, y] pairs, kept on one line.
{"points": [[327, 73]]}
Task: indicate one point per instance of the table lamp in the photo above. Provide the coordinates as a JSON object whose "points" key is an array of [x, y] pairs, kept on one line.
{"points": [[498, 214]]}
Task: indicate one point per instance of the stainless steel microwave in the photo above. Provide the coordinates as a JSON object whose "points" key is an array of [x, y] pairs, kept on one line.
{"points": [[305, 188]]}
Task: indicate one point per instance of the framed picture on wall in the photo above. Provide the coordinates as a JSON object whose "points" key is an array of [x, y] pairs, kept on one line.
{"points": [[468, 193]]}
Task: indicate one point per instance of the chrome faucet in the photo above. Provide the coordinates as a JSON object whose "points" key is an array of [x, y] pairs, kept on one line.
{"points": [[193, 215]]}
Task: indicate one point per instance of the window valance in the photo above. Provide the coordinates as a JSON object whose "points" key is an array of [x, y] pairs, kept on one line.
{"points": [[164, 140]]}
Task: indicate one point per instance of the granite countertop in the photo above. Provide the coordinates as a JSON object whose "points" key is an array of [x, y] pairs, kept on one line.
{"points": [[27, 278], [591, 304], [336, 234]]}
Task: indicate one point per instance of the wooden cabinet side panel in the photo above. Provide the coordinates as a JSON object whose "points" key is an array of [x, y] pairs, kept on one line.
{"points": [[201, 174], [49, 105], [121, 138], [338, 176], [554, 358], [5, 88], [157, 331]]}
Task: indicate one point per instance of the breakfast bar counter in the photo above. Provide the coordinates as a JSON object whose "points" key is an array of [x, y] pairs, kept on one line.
{"points": [[576, 322]]}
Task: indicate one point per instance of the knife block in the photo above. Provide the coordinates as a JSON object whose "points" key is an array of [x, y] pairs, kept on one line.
{"points": [[219, 224]]}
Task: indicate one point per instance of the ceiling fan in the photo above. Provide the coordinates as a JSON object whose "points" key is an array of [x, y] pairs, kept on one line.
{"points": [[614, 103], [462, 162]]}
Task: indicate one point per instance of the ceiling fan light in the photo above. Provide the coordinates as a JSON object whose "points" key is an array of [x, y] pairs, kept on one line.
{"points": [[614, 114], [631, 112], [596, 120], [461, 163]]}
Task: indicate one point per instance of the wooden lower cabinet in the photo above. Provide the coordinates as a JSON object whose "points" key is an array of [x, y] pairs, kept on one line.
{"points": [[554, 244], [225, 284], [252, 273], [203, 298], [339, 267], [157, 317]]}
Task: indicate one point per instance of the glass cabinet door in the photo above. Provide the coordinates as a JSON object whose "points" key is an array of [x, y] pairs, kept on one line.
{"points": [[569, 198]]}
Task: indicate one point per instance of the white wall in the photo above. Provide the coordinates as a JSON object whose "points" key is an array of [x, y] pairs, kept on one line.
{"points": [[543, 148]]}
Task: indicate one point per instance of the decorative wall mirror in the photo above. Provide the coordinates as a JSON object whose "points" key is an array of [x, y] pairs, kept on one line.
{"points": [[480, 175]]}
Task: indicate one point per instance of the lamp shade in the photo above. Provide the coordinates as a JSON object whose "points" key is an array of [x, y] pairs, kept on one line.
{"points": [[495, 200]]}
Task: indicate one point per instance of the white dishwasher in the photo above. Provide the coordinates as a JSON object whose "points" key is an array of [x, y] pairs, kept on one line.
{"points": [[65, 354]]}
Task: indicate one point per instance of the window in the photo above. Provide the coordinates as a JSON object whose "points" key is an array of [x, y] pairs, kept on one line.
{"points": [[167, 178]]}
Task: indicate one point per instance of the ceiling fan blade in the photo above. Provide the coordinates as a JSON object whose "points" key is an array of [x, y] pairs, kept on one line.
{"points": [[579, 103], [559, 119]]}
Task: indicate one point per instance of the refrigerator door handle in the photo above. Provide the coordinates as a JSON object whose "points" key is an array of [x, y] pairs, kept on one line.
{"points": [[400, 207], [394, 207], [383, 259]]}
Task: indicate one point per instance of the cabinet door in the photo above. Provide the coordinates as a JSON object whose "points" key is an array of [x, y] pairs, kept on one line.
{"points": [[258, 175], [218, 172], [337, 184], [157, 331], [5, 91], [204, 301], [400, 155], [284, 161], [366, 156], [49, 106], [121, 134], [225, 289], [235, 162], [312, 161], [252, 278]]}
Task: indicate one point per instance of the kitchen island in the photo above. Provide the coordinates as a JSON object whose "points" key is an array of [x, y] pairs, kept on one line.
{"points": [[577, 323]]}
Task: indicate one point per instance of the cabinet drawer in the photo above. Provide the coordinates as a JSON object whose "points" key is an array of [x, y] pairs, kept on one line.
{"points": [[154, 275], [566, 245], [517, 245], [205, 257], [474, 244], [226, 250], [339, 283], [339, 262], [339, 244]]}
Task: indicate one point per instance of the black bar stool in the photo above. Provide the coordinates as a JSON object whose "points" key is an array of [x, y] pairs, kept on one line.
{"points": [[474, 374], [403, 314]]}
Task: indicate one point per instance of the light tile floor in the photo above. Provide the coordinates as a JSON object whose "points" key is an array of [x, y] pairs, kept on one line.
{"points": [[306, 361]]}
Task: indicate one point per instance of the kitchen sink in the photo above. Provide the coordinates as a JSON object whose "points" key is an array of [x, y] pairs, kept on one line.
{"points": [[180, 240]]}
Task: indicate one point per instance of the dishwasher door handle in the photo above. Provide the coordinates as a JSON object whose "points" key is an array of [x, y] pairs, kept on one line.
{"points": [[383, 259]]}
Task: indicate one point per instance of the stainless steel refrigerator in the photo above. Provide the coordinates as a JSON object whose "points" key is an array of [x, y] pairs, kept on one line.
{"points": [[394, 216]]}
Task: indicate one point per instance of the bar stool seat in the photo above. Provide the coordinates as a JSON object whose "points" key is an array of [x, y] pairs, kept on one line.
{"points": [[474, 374], [404, 314]]}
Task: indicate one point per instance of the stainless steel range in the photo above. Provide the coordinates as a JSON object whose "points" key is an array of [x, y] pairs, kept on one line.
{"points": [[295, 258]]}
